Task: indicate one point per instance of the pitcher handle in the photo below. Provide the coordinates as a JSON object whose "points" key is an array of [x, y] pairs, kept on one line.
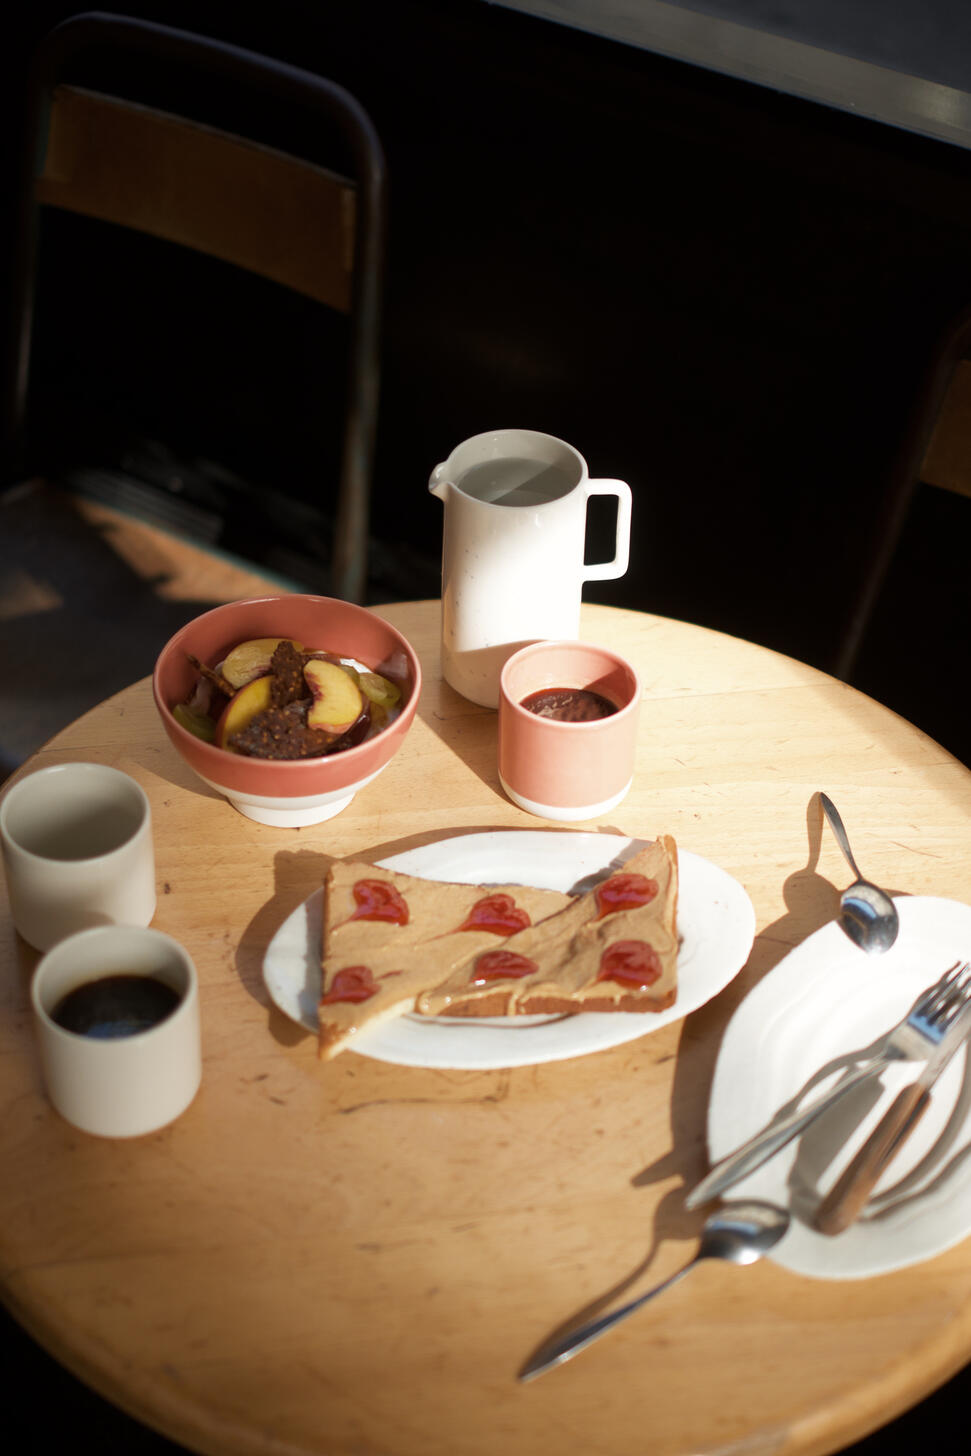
{"points": [[607, 570]]}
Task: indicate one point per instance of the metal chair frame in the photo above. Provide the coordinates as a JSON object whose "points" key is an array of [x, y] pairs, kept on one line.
{"points": [[272, 81]]}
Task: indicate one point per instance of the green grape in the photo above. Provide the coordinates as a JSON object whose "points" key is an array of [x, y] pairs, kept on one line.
{"points": [[198, 724], [379, 718], [379, 689]]}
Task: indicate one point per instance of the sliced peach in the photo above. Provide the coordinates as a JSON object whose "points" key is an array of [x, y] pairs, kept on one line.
{"points": [[242, 708], [337, 700], [251, 659]]}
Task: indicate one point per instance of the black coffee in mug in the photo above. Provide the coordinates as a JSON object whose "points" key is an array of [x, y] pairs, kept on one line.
{"points": [[113, 1006]]}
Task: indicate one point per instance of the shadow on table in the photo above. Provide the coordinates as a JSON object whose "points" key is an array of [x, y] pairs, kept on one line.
{"points": [[811, 902], [297, 875]]}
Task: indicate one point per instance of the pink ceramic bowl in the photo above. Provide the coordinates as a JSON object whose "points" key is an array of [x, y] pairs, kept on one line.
{"points": [[303, 791], [563, 770]]}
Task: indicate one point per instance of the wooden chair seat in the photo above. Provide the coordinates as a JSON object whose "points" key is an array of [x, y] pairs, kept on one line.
{"points": [[88, 597]]}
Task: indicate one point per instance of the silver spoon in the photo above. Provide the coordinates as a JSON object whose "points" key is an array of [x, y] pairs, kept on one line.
{"points": [[867, 914], [741, 1233]]}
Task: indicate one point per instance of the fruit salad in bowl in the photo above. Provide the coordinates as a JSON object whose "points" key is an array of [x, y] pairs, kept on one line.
{"points": [[287, 705]]}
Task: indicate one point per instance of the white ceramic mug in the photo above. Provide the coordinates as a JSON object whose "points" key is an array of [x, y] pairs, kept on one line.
{"points": [[127, 1085], [513, 547], [77, 851]]}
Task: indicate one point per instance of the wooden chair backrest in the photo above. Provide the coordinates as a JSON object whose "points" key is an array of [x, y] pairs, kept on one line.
{"points": [[232, 199], [934, 449], [948, 460]]}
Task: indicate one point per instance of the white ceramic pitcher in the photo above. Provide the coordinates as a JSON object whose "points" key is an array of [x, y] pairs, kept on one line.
{"points": [[512, 554]]}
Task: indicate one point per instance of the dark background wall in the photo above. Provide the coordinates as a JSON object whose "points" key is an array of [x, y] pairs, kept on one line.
{"points": [[719, 293]]}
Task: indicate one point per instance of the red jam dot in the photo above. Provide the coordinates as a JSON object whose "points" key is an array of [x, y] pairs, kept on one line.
{"points": [[353, 983], [631, 963], [498, 913], [379, 900], [501, 965], [624, 892]]}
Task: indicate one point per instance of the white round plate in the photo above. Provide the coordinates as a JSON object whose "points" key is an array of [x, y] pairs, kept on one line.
{"points": [[715, 921], [825, 1000]]}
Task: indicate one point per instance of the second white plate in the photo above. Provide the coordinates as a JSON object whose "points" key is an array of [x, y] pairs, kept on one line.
{"points": [[716, 923], [825, 1000]]}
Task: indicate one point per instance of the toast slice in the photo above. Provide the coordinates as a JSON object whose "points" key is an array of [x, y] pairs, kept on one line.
{"points": [[613, 949], [389, 936]]}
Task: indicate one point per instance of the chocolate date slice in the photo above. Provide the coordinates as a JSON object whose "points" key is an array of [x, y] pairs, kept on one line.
{"points": [[569, 705]]}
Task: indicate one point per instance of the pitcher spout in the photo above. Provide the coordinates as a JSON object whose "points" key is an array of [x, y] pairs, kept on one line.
{"points": [[439, 483]]}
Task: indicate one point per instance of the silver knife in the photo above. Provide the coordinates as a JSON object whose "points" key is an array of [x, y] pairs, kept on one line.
{"points": [[844, 1202], [902, 1040], [772, 1139]]}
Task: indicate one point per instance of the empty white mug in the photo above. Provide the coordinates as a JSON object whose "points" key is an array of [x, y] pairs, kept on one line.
{"points": [[77, 851], [513, 547]]}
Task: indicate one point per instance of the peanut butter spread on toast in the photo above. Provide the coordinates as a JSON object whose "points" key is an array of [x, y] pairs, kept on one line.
{"points": [[613, 949], [400, 934], [394, 943]]}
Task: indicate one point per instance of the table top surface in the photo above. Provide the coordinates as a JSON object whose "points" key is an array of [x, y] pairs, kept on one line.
{"points": [[325, 1257]]}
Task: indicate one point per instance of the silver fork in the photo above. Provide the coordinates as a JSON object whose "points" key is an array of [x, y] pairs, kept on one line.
{"points": [[845, 1201], [914, 1038]]}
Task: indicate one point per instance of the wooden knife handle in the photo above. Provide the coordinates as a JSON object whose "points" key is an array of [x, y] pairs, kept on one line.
{"points": [[844, 1202]]}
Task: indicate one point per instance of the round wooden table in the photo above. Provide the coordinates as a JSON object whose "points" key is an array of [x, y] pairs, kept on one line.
{"points": [[357, 1256]]}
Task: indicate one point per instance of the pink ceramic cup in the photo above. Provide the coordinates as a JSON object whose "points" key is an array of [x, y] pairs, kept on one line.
{"points": [[564, 770]]}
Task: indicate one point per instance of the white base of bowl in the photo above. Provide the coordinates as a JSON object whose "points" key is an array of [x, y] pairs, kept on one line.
{"points": [[566, 813], [290, 818], [292, 813]]}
